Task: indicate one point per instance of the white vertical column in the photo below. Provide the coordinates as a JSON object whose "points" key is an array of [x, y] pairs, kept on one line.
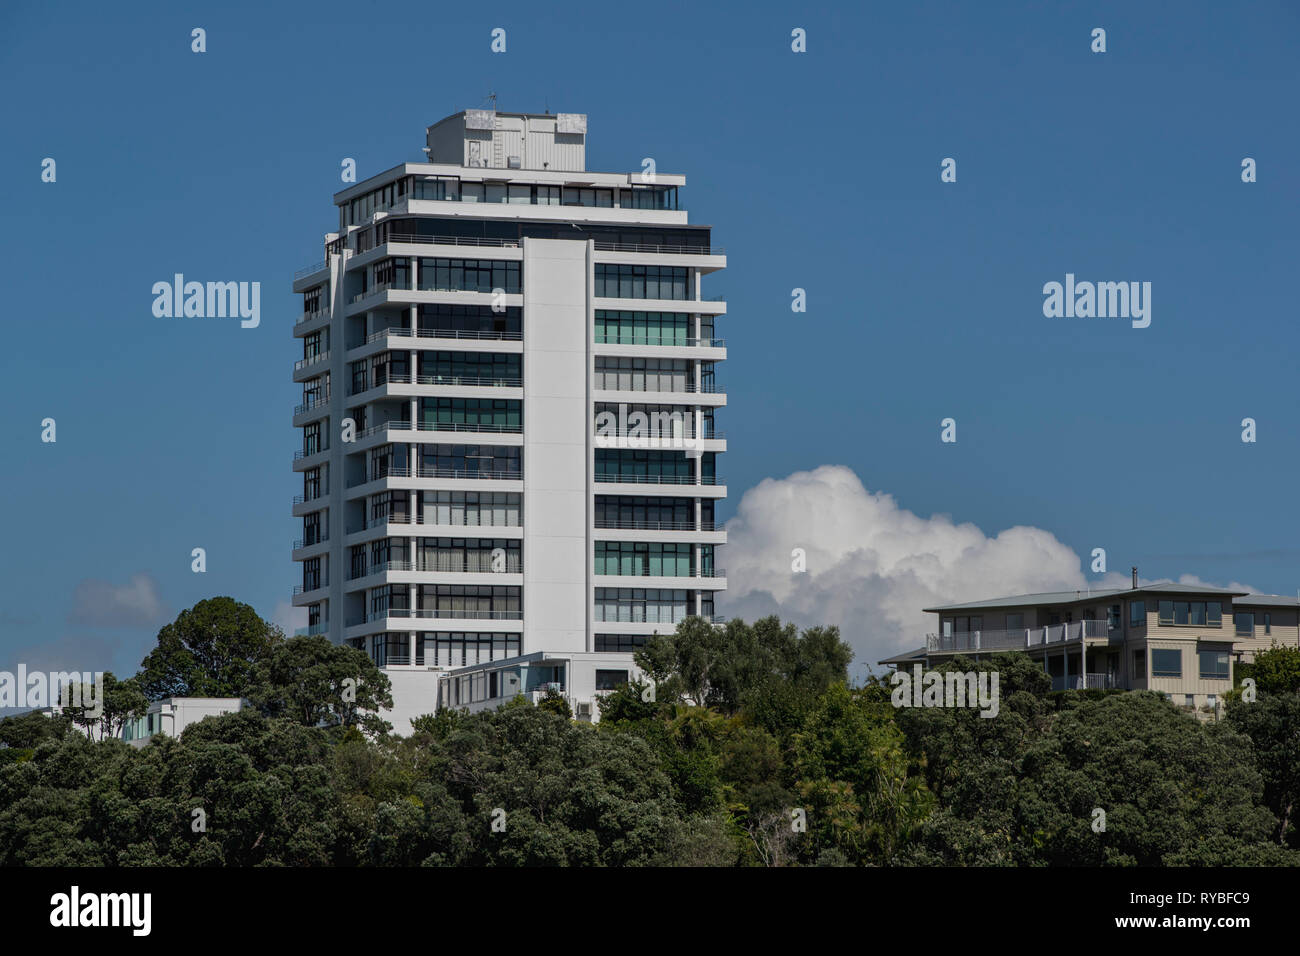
{"points": [[557, 444]]}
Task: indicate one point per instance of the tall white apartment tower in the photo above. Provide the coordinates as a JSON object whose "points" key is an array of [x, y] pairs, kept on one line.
{"points": [[508, 453]]}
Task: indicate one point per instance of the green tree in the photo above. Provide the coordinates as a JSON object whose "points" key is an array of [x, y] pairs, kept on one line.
{"points": [[211, 650], [316, 682]]}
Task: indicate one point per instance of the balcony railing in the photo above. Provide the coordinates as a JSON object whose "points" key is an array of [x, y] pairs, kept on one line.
{"points": [[453, 241], [308, 406], [1082, 682], [301, 543], [667, 250], [684, 388], [458, 614], [470, 563], [1003, 640], [470, 381], [685, 343], [302, 453], [658, 479], [375, 289], [644, 572], [311, 316], [441, 334], [310, 270], [301, 364], [312, 629], [441, 427], [630, 524], [429, 472]]}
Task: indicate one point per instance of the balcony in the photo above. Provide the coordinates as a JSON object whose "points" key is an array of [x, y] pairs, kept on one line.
{"points": [[463, 474], [301, 543], [474, 562], [615, 524], [311, 360], [665, 250], [440, 614], [691, 343], [613, 478], [311, 317], [647, 572], [310, 270], [1085, 682], [1019, 639], [442, 334]]}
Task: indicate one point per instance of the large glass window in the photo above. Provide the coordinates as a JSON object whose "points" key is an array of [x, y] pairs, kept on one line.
{"points": [[640, 282], [641, 328], [1166, 662], [1137, 613], [1245, 621], [1214, 665], [470, 275]]}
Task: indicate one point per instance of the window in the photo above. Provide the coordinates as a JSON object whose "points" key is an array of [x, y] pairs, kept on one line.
{"points": [[470, 275], [620, 643], [640, 282], [1113, 617], [1268, 623], [1139, 665], [610, 680], [1137, 613], [1191, 613], [1245, 621], [1214, 665], [1166, 662]]}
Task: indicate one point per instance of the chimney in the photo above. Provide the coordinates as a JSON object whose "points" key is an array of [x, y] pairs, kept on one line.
{"points": [[1135, 577]]}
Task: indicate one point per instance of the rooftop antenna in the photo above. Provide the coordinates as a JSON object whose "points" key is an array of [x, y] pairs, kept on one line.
{"points": [[492, 101]]}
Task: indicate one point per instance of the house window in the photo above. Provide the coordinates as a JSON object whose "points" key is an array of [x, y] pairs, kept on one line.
{"points": [[1214, 665], [1268, 623], [610, 680], [1015, 622], [1139, 665], [1113, 618], [1137, 613], [1166, 609], [1213, 614], [1166, 662], [1245, 621]]}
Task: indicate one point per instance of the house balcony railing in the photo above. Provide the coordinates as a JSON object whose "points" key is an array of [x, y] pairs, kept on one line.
{"points": [[1085, 682], [310, 270], [1003, 640], [301, 543], [311, 316], [303, 363]]}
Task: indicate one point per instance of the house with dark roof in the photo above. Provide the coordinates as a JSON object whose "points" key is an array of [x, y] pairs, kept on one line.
{"points": [[1180, 640]]}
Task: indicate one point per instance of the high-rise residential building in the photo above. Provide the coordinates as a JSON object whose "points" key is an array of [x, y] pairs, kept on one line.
{"points": [[509, 453]]}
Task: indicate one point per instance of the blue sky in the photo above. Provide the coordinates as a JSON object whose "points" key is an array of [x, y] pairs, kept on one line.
{"points": [[818, 170]]}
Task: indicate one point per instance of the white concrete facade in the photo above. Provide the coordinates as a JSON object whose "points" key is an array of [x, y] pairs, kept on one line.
{"points": [[476, 319]]}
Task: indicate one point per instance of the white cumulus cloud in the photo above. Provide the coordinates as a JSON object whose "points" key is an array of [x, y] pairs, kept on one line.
{"points": [[97, 603], [873, 565]]}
